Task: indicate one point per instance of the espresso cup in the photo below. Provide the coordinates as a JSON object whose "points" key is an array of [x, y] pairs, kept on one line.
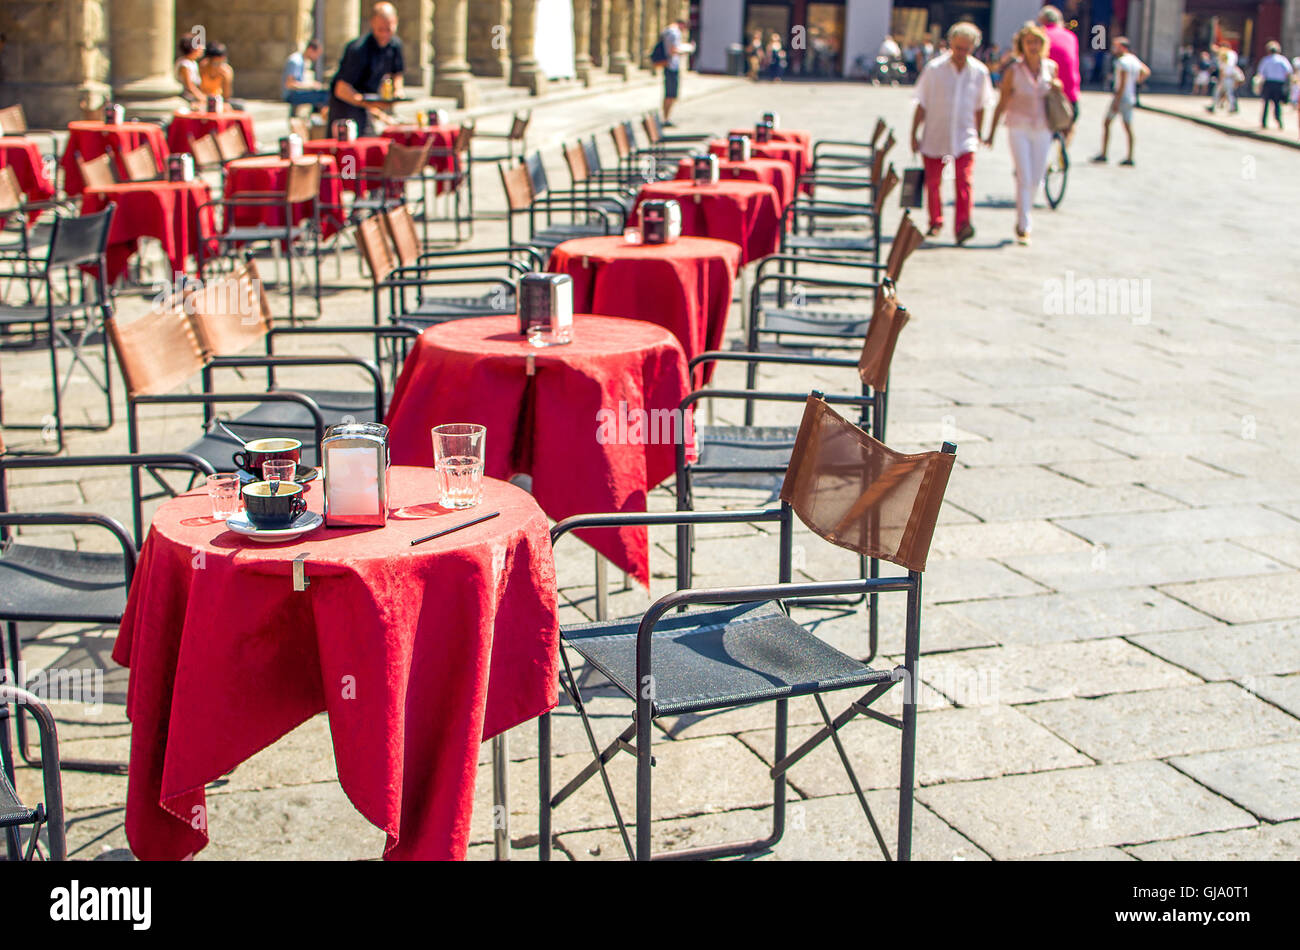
{"points": [[265, 450], [273, 504]]}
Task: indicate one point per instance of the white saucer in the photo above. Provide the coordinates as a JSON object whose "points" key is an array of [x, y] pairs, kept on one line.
{"points": [[308, 521]]}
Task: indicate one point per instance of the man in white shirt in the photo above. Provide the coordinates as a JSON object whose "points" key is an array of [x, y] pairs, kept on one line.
{"points": [[675, 47], [1274, 72], [1129, 72], [952, 93], [889, 49]]}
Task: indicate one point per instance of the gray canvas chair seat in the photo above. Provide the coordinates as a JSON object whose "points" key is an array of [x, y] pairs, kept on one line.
{"points": [[13, 812], [720, 657], [829, 242], [751, 456], [46, 584], [818, 322], [439, 309], [547, 238], [262, 232], [11, 315], [334, 405]]}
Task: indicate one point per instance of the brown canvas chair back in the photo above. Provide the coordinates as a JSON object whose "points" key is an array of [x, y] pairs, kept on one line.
{"points": [[519, 187], [859, 494], [231, 314], [878, 160], [231, 144], [374, 248], [651, 130], [303, 183], [205, 150], [887, 321], [464, 138], [405, 161], [98, 172], [400, 228], [11, 193], [576, 159], [885, 187], [140, 164], [158, 351], [13, 120], [299, 128], [907, 240], [622, 144], [878, 132], [519, 126]]}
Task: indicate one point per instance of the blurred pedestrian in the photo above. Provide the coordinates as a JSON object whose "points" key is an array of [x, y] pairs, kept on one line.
{"points": [[1129, 73], [776, 59], [1275, 72], [1226, 91], [1201, 84]]}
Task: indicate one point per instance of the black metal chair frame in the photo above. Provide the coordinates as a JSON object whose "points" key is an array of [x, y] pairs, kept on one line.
{"points": [[823, 324], [48, 813], [591, 214]]}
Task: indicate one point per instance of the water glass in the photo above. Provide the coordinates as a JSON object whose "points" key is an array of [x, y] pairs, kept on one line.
{"points": [[458, 457], [631, 235], [279, 470], [223, 492]]}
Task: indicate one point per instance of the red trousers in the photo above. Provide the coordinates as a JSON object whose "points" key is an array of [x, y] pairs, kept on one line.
{"points": [[964, 165]]}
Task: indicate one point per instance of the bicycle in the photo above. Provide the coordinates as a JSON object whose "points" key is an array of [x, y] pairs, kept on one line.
{"points": [[1058, 170]]}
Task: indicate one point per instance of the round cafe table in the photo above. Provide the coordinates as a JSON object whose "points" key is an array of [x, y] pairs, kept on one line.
{"points": [[185, 127], [747, 213], [91, 139], [791, 152], [364, 154], [418, 653], [265, 173], [23, 155], [770, 171], [684, 287], [594, 422], [443, 138], [165, 210], [801, 137]]}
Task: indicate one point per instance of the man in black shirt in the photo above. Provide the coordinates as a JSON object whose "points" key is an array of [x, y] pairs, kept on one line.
{"points": [[362, 68]]}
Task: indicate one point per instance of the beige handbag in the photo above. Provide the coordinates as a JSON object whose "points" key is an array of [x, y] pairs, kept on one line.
{"points": [[1060, 116]]}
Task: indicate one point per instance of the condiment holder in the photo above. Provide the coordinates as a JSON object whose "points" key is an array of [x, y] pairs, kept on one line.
{"points": [[354, 457], [546, 309]]}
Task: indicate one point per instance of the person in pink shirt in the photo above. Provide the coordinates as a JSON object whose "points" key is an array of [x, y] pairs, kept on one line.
{"points": [[1063, 50]]}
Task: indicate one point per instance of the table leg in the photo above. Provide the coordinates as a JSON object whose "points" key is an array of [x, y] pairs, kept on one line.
{"points": [[501, 797], [602, 587]]}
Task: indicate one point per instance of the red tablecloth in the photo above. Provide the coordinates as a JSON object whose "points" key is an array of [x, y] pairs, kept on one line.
{"points": [[23, 155], [187, 126], [791, 152], [747, 213], [562, 424], [417, 653], [684, 287], [355, 157], [166, 210], [92, 139], [770, 171], [801, 137], [268, 173], [442, 137]]}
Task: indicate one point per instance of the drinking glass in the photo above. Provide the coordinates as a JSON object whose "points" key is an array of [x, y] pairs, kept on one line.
{"points": [[279, 470], [458, 457], [223, 491], [631, 235]]}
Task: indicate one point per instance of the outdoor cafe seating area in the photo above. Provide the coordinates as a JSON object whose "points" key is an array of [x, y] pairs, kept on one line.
{"points": [[533, 359]]}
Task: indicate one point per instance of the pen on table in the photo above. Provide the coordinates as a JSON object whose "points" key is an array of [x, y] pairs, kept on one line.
{"points": [[439, 534]]}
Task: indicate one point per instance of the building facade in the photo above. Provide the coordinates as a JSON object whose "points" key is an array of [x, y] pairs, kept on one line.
{"points": [[60, 57]]}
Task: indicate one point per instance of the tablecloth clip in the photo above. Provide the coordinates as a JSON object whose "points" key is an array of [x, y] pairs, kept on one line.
{"points": [[585, 262], [300, 579], [697, 198], [530, 363]]}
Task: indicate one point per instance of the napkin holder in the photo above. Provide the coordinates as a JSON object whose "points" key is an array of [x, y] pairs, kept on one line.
{"points": [[661, 221], [704, 169], [216, 104], [345, 130], [738, 148], [291, 146], [546, 308], [763, 133], [438, 117], [354, 458], [772, 119], [180, 167], [113, 114]]}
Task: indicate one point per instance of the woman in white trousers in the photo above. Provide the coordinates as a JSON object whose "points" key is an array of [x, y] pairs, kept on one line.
{"points": [[1022, 100]]}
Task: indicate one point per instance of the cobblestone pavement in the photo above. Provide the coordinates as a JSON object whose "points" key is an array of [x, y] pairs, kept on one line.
{"points": [[1111, 629]]}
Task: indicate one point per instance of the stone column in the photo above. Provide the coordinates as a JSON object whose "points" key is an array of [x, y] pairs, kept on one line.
{"points": [[600, 33], [414, 28], [620, 19], [582, 41], [489, 38], [142, 43], [340, 28], [651, 12], [53, 63], [452, 77], [524, 70]]}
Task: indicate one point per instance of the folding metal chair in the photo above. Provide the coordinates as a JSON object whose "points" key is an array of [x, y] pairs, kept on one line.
{"points": [[14, 815], [846, 155], [654, 124], [552, 219], [17, 223], [73, 311], [739, 646], [516, 136]]}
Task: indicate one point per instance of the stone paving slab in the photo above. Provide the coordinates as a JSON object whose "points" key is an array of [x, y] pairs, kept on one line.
{"points": [[1231, 652], [1244, 600], [1087, 854], [1279, 842], [1160, 723], [1090, 615], [1076, 809], [1162, 527], [1145, 566], [1283, 691], [1263, 779]]}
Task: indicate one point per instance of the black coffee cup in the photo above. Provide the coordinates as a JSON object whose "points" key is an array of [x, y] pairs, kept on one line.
{"points": [[273, 504], [266, 450]]}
